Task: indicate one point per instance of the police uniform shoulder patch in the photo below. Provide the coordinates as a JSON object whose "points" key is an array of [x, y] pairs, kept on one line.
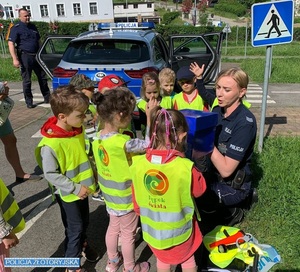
{"points": [[249, 119]]}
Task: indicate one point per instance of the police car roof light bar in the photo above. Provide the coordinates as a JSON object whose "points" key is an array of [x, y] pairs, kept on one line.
{"points": [[126, 25]]}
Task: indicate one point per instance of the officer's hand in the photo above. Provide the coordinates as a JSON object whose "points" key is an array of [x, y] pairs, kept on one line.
{"points": [[16, 63]]}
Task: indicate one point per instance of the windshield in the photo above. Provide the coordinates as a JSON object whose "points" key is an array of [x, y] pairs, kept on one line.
{"points": [[106, 52]]}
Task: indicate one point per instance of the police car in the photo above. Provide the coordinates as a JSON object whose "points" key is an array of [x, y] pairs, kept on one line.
{"points": [[128, 50]]}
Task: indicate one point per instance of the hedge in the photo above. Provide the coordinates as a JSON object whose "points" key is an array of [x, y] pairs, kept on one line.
{"points": [[75, 29]]}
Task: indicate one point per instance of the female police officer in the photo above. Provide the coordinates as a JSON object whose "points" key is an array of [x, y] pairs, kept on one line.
{"points": [[227, 168]]}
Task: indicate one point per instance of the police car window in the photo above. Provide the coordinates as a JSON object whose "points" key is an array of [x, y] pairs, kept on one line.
{"points": [[106, 52], [158, 51], [56, 46], [188, 45]]}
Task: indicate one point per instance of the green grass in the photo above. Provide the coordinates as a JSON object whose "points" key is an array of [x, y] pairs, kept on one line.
{"points": [[7, 71], [283, 70], [284, 64], [274, 219], [290, 49]]}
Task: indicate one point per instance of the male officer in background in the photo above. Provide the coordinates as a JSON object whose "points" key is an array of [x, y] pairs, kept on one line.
{"points": [[23, 43]]}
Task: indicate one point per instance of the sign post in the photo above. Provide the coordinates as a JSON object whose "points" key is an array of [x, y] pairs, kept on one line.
{"points": [[272, 23], [226, 30]]}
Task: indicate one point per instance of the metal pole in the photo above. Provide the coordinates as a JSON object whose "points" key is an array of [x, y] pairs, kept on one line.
{"points": [[246, 38], [271, 61], [264, 98], [226, 42], [195, 13], [127, 10]]}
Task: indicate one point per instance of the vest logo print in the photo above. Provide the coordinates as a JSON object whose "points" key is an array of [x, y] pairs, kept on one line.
{"points": [[156, 182], [103, 155]]}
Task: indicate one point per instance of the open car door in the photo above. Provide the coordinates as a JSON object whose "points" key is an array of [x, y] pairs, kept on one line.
{"points": [[51, 52], [203, 49]]}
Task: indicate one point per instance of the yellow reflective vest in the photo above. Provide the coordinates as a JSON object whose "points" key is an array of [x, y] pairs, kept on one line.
{"points": [[197, 104], [166, 103], [112, 164], [216, 104], [10, 209], [163, 194], [73, 162]]}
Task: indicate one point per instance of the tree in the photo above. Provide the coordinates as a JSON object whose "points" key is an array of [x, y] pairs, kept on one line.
{"points": [[202, 5], [187, 5], [166, 2]]}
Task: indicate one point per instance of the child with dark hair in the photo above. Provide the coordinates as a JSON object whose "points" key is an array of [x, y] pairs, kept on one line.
{"points": [[163, 197], [189, 97], [113, 153], [62, 156]]}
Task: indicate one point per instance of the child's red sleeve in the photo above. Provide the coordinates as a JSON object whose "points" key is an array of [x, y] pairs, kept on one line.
{"points": [[198, 183], [135, 205]]}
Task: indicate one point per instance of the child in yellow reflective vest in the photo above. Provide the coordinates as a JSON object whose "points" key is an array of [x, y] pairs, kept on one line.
{"points": [[62, 156], [11, 222], [150, 89], [189, 97], [113, 153], [164, 185], [167, 82]]}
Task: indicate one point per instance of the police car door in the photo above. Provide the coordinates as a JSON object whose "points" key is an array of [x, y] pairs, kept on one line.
{"points": [[51, 52], [203, 49]]}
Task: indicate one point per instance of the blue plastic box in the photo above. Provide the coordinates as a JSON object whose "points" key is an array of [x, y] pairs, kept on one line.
{"points": [[201, 134]]}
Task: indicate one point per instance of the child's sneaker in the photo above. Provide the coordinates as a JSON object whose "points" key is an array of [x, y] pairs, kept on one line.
{"points": [[98, 197], [89, 253], [139, 267], [113, 265], [138, 235]]}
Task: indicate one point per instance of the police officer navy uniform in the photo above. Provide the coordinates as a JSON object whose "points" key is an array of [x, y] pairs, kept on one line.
{"points": [[23, 43]]}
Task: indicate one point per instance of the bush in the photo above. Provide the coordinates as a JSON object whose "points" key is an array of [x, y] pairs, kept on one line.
{"points": [[170, 16], [231, 6]]}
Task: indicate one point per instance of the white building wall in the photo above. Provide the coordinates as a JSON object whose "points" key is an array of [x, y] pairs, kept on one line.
{"points": [[144, 9], [104, 10]]}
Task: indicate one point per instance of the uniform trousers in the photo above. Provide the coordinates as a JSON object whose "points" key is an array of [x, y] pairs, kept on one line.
{"points": [[29, 64]]}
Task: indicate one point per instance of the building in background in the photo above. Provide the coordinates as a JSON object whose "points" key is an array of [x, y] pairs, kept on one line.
{"points": [[80, 10], [64, 11]]}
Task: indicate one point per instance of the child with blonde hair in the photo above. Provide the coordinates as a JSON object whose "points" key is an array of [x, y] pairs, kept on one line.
{"points": [[150, 89], [167, 79]]}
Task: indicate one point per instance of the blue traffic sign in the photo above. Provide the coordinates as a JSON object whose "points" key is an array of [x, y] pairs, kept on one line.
{"points": [[272, 23]]}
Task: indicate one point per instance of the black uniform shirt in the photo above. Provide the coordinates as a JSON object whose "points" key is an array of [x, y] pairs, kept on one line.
{"points": [[26, 36], [236, 134]]}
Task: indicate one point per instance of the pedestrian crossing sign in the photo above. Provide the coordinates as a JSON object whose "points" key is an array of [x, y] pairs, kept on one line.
{"points": [[272, 23]]}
